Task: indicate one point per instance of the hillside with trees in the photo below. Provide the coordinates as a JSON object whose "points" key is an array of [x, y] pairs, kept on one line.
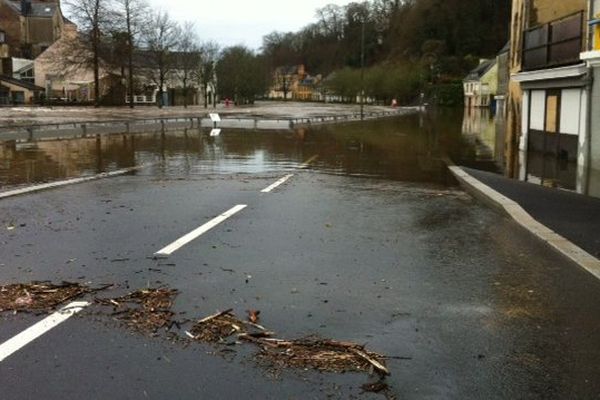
{"points": [[407, 43]]}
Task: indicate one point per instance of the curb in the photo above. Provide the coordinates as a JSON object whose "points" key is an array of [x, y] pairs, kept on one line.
{"points": [[509, 207]]}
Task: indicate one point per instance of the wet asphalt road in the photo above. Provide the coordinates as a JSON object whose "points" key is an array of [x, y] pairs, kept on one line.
{"points": [[414, 270]]}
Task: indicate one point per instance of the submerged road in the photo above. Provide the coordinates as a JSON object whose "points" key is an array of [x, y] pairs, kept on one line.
{"points": [[467, 304]]}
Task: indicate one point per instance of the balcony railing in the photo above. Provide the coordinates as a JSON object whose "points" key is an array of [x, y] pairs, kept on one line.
{"points": [[554, 44]]}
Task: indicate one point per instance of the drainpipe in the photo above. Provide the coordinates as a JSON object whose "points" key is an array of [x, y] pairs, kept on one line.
{"points": [[588, 133]]}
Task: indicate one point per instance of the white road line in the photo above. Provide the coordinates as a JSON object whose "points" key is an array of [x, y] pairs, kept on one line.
{"points": [[277, 184], [179, 243], [309, 161], [15, 344], [52, 185]]}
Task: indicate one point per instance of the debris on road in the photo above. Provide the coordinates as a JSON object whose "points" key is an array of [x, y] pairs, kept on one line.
{"points": [[218, 327], [39, 296], [321, 354], [253, 316], [146, 310]]}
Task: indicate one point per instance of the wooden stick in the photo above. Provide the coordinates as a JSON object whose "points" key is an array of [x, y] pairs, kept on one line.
{"points": [[380, 367], [217, 315]]}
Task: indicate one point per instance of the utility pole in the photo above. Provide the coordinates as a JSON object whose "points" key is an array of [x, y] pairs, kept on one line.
{"points": [[362, 70]]}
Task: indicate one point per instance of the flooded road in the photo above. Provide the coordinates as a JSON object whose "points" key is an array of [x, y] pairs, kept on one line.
{"points": [[366, 241], [408, 149]]}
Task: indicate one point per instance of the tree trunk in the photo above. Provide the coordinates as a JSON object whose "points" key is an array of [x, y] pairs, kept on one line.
{"points": [[160, 92], [185, 93], [96, 77], [130, 58]]}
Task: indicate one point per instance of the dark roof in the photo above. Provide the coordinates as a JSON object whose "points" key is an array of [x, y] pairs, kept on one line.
{"points": [[505, 49], [23, 84], [481, 70], [40, 10]]}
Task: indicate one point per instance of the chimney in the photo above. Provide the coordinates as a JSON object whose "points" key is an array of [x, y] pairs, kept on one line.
{"points": [[25, 7]]}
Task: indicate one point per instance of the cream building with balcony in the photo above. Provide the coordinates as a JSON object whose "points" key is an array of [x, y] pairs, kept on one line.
{"points": [[481, 85]]}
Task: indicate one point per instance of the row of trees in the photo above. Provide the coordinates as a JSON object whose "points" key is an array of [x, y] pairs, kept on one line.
{"points": [[131, 39], [407, 45]]}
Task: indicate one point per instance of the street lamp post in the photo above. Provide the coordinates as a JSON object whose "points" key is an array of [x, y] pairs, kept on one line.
{"points": [[362, 71]]}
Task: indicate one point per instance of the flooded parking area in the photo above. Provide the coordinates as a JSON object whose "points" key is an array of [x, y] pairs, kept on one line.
{"points": [[349, 245]]}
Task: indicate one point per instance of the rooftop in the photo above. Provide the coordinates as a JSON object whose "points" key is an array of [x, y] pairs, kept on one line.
{"points": [[23, 84]]}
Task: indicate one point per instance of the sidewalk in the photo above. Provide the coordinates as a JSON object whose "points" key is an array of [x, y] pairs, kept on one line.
{"points": [[573, 216]]}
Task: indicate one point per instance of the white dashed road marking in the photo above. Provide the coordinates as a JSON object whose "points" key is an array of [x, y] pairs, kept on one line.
{"points": [[179, 243], [29, 335]]}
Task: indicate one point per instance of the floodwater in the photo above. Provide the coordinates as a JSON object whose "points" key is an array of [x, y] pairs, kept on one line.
{"points": [[410, 148], [407, 149]]}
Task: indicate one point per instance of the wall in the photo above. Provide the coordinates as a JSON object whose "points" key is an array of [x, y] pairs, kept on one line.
{"points": [[594, 180], [503, 73], [515, 94], [9, 21], [491, 79], [544, 11]]}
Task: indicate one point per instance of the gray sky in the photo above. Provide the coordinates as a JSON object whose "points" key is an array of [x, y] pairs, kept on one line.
{"points": [[232, 22]]}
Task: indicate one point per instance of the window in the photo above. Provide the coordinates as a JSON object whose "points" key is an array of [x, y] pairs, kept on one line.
{"points": [[2, 37]]}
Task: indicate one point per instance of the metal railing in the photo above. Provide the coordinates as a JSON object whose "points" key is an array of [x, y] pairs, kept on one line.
{"points": [[554, 44], [25, 133]]}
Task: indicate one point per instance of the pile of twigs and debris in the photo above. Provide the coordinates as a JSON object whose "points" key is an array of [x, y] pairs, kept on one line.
{"points": [[218, 327], [314, 353], [146, 310], [321, 354], [39, 297]]}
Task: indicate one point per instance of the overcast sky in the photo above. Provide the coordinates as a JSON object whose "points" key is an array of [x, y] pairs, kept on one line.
{"points": [[232, 22]]}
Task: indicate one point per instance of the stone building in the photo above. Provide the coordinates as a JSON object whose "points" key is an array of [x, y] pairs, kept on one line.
{"points": [[30, 26], [549, 140]]}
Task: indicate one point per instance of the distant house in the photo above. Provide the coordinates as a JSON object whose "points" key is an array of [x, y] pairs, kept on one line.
{"points": [[16, 92], [481, 85], [68, 82], [285, 81]]}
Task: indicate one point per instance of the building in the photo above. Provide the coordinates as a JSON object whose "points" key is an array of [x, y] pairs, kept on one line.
{"points": [[549, 97], [285, 81], [18, 92], [503, 79], [592, 59], [481, 85], [30, 26]]}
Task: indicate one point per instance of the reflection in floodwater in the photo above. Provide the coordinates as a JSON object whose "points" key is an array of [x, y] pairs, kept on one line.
{"points": [[486, 138], [541, 165], [410, 148]]}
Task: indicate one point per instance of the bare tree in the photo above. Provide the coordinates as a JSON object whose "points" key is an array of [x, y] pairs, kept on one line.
{"points": [[207, 73], [92, 17], [188, 59], [132, 14], [161, 37]]}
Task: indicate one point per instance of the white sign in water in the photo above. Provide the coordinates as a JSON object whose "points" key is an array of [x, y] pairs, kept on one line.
{"points": [[215, 132]]}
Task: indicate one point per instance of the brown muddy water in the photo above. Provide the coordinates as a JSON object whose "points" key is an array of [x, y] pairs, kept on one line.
{"points": [[407, 148], [410, 148]]}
